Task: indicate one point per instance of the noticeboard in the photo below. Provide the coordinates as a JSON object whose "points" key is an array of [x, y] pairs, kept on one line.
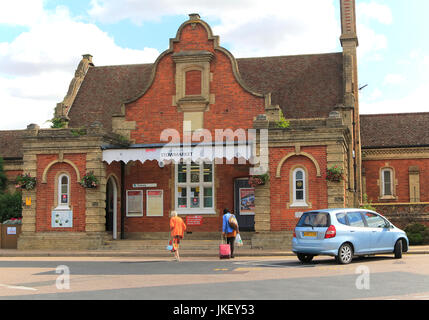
{"points": [[134, 203], [154, 203]]}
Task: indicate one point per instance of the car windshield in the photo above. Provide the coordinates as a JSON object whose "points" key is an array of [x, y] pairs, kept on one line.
{"points": [[314, 219]]}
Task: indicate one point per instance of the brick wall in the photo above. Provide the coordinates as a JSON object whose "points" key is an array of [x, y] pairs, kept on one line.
{"points": [[400, 167], [46, 192], [150, 172], [402, 215], [233, 107], [193, 82], [283, 217]]}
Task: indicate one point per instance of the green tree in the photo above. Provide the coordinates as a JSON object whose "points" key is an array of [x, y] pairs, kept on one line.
{"points": [[10, 203], [10, 206], [3, 178]]}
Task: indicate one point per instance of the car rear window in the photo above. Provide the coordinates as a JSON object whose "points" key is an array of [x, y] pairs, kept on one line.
{"points": [[314, 219]]}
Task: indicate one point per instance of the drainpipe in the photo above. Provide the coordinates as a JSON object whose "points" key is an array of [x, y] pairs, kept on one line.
{"points": [[123, 199]]}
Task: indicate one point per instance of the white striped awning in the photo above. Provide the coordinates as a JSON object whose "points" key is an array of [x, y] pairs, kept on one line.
{"points": [[176, 153]]}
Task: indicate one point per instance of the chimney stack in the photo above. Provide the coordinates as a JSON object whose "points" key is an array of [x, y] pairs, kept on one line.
{"points": [[348, 23]]}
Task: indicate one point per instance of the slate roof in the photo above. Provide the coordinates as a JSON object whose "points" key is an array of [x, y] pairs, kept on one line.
{"points": [[305, 86], [11, 143], [395, 130], [103, 90]]}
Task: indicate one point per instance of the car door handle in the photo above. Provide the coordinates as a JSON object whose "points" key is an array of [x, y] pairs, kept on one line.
{"points": [[352, 231]]}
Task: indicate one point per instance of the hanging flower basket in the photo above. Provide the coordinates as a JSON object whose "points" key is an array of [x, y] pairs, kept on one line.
{"points": [[25, 181], [258, 180], [89, 180], [334, 174]]}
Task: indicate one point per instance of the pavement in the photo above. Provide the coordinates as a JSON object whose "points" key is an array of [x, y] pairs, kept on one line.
{"points": [[239, 252]]}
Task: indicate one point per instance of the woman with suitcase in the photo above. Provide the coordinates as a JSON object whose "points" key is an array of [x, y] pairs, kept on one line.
{"points": [[229, 229]]}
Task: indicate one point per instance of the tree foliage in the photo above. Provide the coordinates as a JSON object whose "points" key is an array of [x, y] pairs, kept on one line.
{"points": [[10, 203]]}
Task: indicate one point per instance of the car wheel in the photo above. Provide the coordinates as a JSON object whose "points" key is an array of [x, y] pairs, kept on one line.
{"points": [[398, 249], [305, 258], [345, 254]]}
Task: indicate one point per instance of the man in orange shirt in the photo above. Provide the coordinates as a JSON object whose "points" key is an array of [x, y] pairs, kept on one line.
{"points": [[177, 227]]}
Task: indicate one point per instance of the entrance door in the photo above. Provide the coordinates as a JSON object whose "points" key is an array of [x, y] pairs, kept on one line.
{"points": [[244, 204], [111, 206]]}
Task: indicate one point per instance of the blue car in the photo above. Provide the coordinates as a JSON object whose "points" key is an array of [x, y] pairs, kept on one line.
{"points": [[345, 233]]}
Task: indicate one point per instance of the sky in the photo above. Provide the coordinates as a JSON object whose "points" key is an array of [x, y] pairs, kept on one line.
{"points": [[42, 42]]}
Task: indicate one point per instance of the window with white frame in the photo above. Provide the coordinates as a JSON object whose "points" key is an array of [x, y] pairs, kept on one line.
{"points": [[63, 191], [299, 188], [194, 188], [387, 185]]}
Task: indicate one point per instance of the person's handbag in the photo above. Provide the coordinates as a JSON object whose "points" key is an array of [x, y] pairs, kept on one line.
{"points": [[170, 245], [238, 240], [232, 221]]}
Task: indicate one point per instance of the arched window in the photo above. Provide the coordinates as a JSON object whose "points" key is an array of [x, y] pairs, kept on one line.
{"points": [[299, 188], [63, 191]]}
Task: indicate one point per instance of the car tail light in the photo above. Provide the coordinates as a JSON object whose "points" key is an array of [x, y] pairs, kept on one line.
{"points": [[294, 233], [331, 232]]}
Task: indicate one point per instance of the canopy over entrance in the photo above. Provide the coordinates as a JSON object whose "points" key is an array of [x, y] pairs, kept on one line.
{"points": [[166, 153]]}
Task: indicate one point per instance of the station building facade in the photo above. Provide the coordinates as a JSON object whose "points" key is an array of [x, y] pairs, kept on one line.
{"points": [[195, 132]]}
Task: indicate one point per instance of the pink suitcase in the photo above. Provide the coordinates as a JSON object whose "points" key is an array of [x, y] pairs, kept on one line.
{"points": [[224, 251]]}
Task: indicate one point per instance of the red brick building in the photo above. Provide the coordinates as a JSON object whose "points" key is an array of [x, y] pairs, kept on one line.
{"points": [[187, 132], [396, 165]]}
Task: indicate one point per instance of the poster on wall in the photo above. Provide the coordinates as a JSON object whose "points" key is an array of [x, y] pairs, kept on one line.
{"points": [[247, 201], [62, 219], [134, 203], [154, 203]]}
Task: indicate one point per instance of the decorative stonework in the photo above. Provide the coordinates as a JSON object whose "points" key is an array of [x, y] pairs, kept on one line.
{"points": [[62, 108], [395, 153]]}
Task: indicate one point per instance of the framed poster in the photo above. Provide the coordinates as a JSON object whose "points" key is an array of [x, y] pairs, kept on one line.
{"points": [[134, 203], [247, 201], [62, 219], [154, 203]]}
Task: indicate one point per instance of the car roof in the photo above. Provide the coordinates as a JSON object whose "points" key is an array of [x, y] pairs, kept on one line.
{"points": [[337, 210]]}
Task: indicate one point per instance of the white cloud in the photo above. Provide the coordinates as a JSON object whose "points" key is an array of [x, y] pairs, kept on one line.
{"points": [[374, 11], [415, 101], [393, 79], [250, 27], [21, 12], [371, 42], [374, 95], [38, 65]]}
